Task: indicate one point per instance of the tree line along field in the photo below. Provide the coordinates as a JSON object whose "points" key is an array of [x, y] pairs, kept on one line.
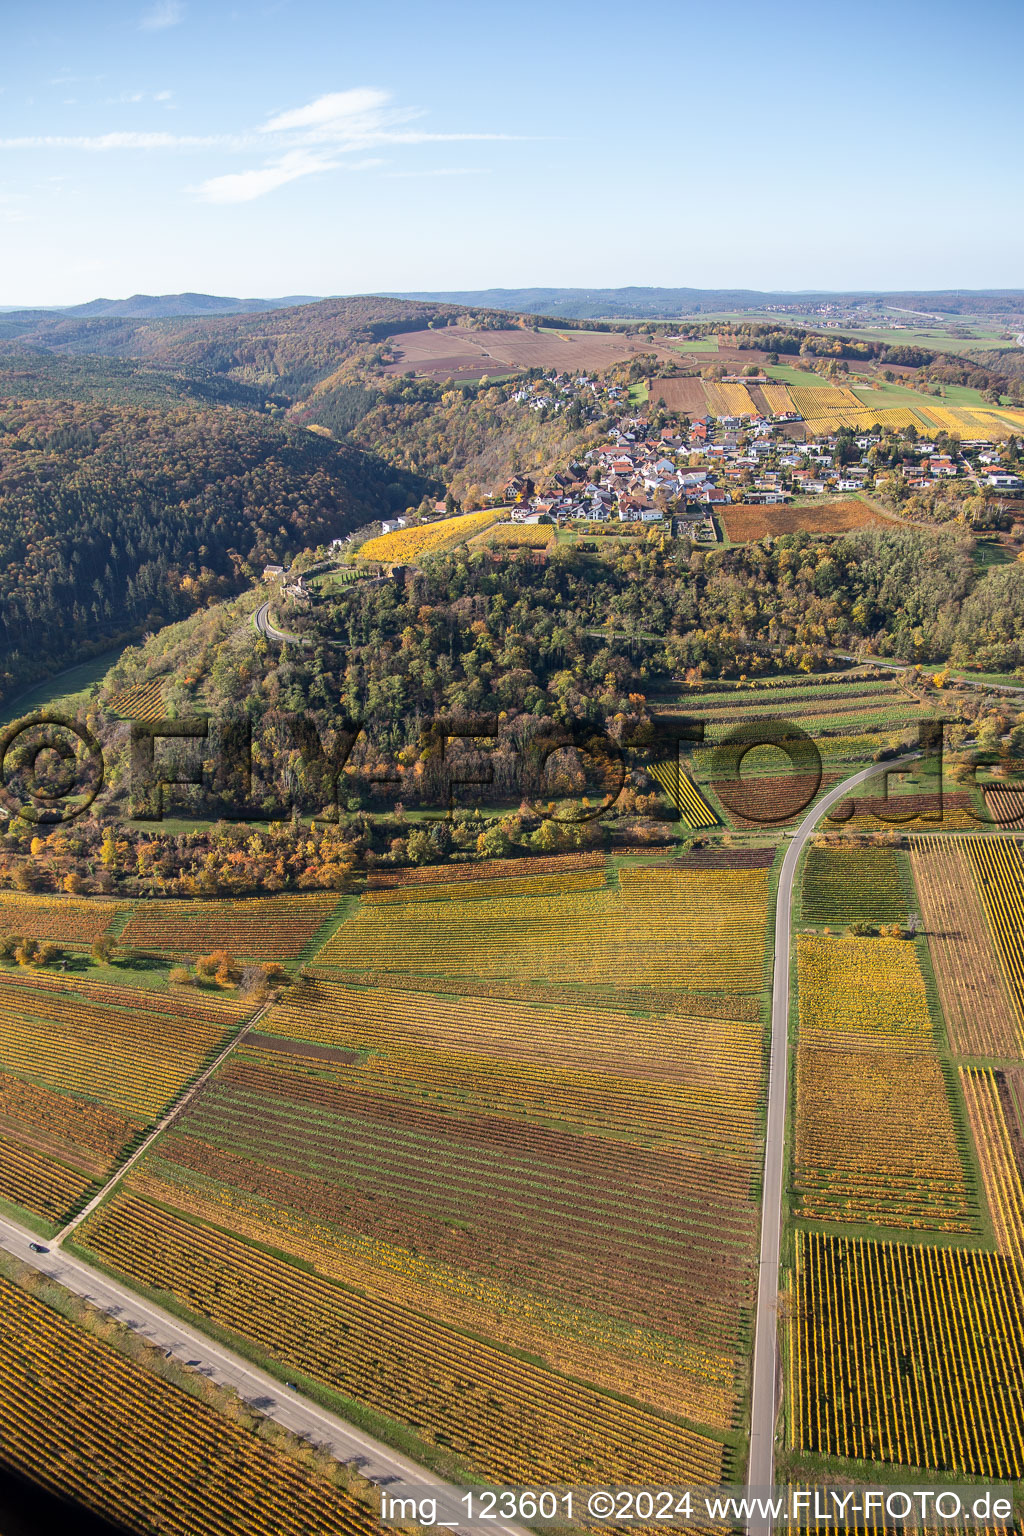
{"points": [[503, 1140], [89, 1422], [906, 1299]]}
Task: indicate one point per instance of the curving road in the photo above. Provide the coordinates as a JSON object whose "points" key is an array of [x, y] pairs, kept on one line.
{"points": [[765, 1394], [261, 619]]}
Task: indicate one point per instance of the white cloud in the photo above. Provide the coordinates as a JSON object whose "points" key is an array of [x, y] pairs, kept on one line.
{"points": [[107, 141], [244, 186], [361, 118], [165, 13], [302, 141], [338, 111]]}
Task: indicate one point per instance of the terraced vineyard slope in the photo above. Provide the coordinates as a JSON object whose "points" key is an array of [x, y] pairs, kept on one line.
{"points": [[503, 1140]]}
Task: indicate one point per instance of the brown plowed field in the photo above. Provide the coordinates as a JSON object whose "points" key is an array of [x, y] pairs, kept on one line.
{"points": [[743, 522], [974, 1004], [457, 351], [679, 395]]}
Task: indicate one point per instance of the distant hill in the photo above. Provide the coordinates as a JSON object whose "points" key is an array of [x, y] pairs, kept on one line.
{"points": [[294, 346], [670, 303], [164, 306], [145, 306]]}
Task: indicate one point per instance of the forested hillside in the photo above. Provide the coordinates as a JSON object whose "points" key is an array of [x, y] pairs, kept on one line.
{"points": [[38, 375], [470, 438], [116, 519], [290, 346], [585, 638]]}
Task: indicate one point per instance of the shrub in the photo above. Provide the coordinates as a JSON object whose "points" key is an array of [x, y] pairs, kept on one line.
{"points": [[218, 966]]}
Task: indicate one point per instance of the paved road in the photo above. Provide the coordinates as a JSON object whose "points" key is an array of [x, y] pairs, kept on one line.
{"points": [[262, 621], [765, 1394], [373, 1460]]}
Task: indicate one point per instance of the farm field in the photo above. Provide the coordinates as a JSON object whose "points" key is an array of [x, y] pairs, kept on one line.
{"points": [[848, 717], [826, 407], [909, 1350], [515, 536], [1005, 805], [729, 400], [977, 1010], [865, 1311], [484, 869], [88, 1422], [770, 799], [143, 702], [84, 1069], [426, 539], [684, 395], [62, 919], [832, 702], [998, 868], [994, 1102], [852, 885], [646, 926], [270, 928], [684, 795], [744, 523], [700, 397], [459, 352], [912, 810], [875, 1143], [503, 1139], [778, 399]]}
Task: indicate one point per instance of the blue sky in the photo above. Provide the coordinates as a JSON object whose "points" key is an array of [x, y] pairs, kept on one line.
{"points": [[299, 146]]}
